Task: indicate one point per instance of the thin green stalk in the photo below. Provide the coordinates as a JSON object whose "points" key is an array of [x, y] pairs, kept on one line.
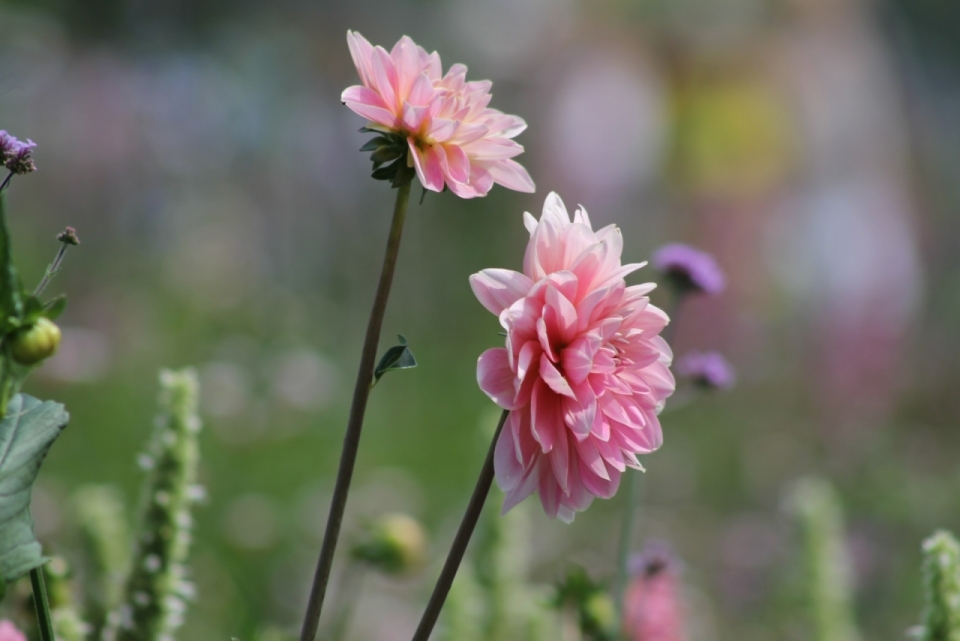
{"points": [[626, 539], [459, 547], [52, 269], [9, 379], [361, 392], [42, 604]]}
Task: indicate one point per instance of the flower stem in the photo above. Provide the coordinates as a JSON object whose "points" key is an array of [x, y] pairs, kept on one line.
{"points": [[6, 181], [459, 547], [52, 270], [630, 509], [42, 604], [351, 440], [626, 538]]}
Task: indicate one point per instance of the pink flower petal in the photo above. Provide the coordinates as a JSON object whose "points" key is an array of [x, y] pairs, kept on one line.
{"points": [[590, 456], [362, 53], [496, 379], [549, 491], [384, 77], [506, 464], [529, 355], [560, 460], [546, 420], [498, 289], [553, 378], [457, 167], [579, 412], [527, 486], [480, 179], [414, 116], [428, 167], [577, 358], [405, 56]]}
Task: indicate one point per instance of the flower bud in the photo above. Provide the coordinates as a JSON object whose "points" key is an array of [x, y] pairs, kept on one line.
{"points": [[32, 344], [598, 614], [395, 544]]}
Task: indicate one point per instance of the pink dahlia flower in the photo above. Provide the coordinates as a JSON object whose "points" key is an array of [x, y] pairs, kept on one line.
{"points": [[9, 632], [454, 138], [584, 372]]}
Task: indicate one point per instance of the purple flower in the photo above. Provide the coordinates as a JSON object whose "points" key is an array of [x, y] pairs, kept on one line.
{"points": [[689, 270], [15, 155], [708, 369], [656, 557]]}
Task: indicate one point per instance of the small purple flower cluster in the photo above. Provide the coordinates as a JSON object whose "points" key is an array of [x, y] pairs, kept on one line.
{"points": [[707, 369], [15, 155], [689, 269]]}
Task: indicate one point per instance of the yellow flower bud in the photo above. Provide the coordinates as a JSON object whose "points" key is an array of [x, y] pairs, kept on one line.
{"points": [[32, 344], [396, 544]]}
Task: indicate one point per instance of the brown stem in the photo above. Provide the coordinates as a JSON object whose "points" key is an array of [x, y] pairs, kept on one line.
{"points": [[459, 547], [351, 440]]}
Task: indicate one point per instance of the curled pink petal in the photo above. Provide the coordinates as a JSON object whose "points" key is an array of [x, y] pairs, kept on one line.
{"points": [[498, 289], [428, 166], [584, 373], [496, 378]]}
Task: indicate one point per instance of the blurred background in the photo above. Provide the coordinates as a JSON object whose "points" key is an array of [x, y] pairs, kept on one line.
{"points": [[228, 221]]}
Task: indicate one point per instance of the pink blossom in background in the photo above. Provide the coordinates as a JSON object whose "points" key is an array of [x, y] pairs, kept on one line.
{"points": [[9, 632], [652, 608], [455, 139], [584, 372]]}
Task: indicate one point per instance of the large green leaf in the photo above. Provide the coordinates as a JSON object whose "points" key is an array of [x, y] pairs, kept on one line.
{"points": [[26, 434]]}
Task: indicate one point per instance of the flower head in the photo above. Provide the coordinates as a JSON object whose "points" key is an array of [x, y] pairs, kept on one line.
{"points": [[652, 606], [584, 372], [454, 139], [707, 369], [15, 155], [9, 632], [395, 543], [689, 270]]}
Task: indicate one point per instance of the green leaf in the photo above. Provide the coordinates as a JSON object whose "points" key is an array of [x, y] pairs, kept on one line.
{"points": [[385, 154], [374, 143], [397, 357], [26, 434], [386, 173], [11, 304], [32, 309], [55, 307]]}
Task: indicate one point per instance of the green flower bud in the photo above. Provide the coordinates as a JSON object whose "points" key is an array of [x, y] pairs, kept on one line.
{"points": [[30, 345], [396, 544], [599, 614]]}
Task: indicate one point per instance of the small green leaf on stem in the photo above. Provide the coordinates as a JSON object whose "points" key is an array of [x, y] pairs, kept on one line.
{"points": [[374, 143], [397, 357], [55, 307], [26, 434]]}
